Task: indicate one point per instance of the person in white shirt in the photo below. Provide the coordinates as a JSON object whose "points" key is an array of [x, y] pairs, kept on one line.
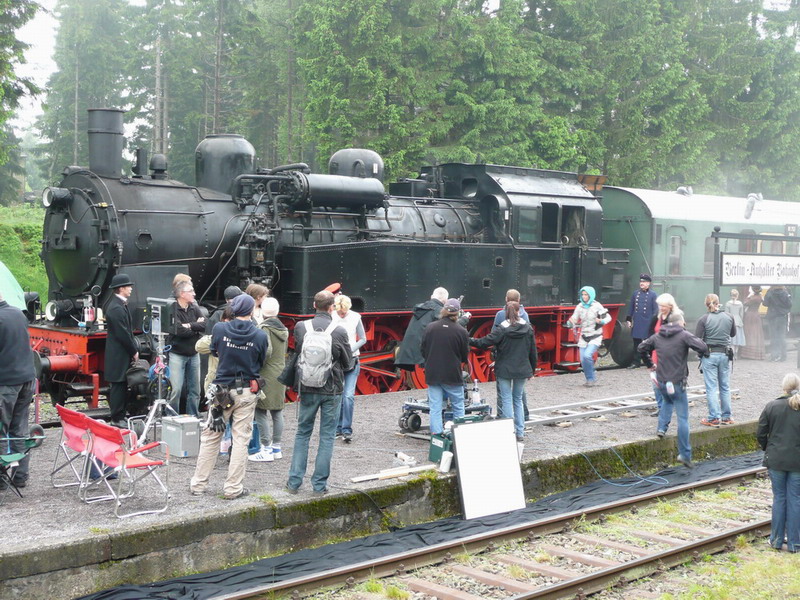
{"points": [[351, 322]]}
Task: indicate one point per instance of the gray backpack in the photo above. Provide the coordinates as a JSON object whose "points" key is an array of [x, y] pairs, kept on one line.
{"points": [[316, 356]]}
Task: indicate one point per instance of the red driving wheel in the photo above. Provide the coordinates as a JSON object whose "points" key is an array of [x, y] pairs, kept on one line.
{"points": [[378, 373], [479, 360]]}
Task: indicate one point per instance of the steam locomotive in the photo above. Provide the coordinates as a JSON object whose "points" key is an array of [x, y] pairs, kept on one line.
{"points": [[475, 229]]}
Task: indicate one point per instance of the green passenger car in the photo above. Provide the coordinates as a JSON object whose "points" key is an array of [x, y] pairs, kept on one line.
{"points": [[669, 235]]}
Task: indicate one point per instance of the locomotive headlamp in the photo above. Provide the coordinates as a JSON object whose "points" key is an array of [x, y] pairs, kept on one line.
{"points": [[53, 196], [58, 308]]}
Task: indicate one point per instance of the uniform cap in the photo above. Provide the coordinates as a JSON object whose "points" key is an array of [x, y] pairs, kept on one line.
{"points": [[645, 277]]}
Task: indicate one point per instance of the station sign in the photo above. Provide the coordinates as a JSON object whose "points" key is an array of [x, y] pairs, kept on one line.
{"points": [[759, 269]]}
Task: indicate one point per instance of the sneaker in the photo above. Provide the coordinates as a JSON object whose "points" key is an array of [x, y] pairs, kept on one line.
{"points": [[710, 422], [347, 437], [338, 435], [321, 492], [276, 452], [263, 455], [19, 482], [293, 491], [686, 463], [728, 422], [243, 492], [195, 492], [661, 434]]}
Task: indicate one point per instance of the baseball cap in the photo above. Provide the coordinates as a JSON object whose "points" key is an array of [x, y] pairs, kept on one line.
{"points": [[452, 305]]}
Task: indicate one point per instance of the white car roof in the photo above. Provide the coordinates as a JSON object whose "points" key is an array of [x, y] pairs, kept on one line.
{"points": [[722, 209]]}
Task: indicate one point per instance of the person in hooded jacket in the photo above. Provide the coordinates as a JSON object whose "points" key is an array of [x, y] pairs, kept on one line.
{"points": [[589, 317], [272, 398], [778, 435], [242, 349], [515, 343], [410, 353], [673, 343]]}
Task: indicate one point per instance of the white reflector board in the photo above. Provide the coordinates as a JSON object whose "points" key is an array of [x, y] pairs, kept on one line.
{"points": [[489, 477]]}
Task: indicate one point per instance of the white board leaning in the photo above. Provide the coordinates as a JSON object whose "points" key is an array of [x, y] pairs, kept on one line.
{"points": [[759, 269], [489, 477]]}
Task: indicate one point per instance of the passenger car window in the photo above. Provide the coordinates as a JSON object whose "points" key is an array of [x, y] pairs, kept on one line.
{"points": [[675, 247]]}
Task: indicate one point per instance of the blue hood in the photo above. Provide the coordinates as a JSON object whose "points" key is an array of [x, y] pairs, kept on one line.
{"points": [[589, 290]]}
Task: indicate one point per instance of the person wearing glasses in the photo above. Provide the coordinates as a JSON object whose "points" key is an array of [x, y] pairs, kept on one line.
{"points": [[184, 361]]}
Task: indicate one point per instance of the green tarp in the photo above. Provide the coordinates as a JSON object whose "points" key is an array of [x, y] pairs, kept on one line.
{"points": [[10, 288]]}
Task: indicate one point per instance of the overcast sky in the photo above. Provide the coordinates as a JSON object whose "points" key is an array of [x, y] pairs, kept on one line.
{"points": [[40, 33]]}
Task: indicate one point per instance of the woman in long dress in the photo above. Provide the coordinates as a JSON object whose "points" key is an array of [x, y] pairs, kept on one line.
{"points": [[753, 329], [736, 309]]}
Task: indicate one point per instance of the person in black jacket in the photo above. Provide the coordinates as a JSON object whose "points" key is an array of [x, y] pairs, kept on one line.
{"points": [[445, 346], [326, 400], [779, 304], [17, 381], [515, 362], [121, 347], [672, 343], [778, 435], [410, 354], [184, 361]]}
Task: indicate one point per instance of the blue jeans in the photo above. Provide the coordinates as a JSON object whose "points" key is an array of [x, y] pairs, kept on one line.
{"points": [[511, 391], [328, 407], [500, 414], [15, 401], [436, 395], [717, 373], [345, 425], [185, 368], [664, 418], [587, 361], [680, 403], [785, 509]]}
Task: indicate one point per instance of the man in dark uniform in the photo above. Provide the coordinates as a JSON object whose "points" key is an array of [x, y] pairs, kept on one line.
{"points": [[121, 347], [641, 310], [17, 379]]}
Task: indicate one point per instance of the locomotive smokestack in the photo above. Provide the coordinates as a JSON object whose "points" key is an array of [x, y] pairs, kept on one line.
{"points": [[105, 141]]}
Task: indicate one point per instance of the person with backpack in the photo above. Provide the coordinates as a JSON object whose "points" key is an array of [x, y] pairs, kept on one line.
{"points": [[324, 356]]}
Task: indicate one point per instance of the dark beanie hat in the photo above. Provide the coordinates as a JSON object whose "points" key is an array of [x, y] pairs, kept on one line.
{"points": [[243, 305], [232, 291]]}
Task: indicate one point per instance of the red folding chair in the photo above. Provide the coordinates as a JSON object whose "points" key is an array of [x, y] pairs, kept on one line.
{"points": [[113, 452], [73, 449]]}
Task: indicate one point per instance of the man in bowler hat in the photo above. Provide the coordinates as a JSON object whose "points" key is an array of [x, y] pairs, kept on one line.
{"points": [[641, 310], [121, 347]]}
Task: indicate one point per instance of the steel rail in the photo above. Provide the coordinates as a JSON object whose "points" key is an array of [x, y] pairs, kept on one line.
{"points": [[396, 564], [599, 580]]}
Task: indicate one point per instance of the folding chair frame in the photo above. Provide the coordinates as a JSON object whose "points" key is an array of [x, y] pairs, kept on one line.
{"points": [[74, 446], [113, 452]]}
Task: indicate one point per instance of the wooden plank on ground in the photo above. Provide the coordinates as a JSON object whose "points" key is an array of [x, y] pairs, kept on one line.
{"points": [[531, 565], [442, 592]]}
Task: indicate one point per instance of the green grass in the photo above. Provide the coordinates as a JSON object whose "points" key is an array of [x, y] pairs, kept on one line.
{"points": [[20, 233], [755, 573]]}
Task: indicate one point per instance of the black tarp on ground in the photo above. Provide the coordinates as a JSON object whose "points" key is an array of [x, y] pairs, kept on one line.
{"points": [[262, 572]]}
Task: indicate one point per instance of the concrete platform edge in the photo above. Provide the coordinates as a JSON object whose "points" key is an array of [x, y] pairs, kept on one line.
{"points": [[236, 536]]}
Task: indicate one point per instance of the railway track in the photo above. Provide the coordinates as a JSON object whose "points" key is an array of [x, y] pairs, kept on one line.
{"points": [[566, 556]]}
